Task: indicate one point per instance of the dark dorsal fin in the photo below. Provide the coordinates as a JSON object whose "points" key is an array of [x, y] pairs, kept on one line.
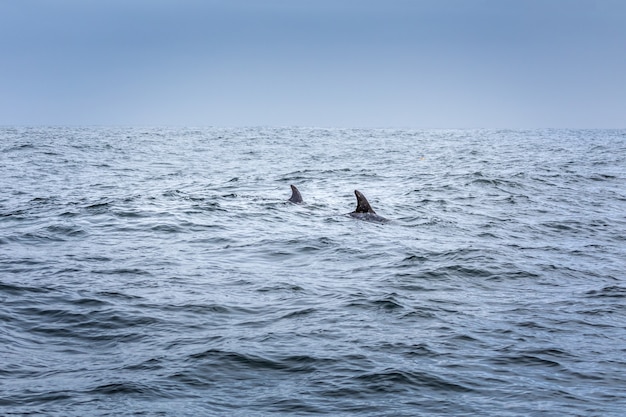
{"points": [[296, 197], [362, 206]]}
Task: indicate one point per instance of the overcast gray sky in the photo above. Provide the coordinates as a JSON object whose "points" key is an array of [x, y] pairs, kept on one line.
{"points": [[350, 63]]}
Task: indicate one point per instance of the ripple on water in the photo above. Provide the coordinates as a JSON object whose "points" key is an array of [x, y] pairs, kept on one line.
{"points": [[160, 271]]}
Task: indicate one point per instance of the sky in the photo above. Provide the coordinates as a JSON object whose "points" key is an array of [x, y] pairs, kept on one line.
{"points": [[327, 63]]}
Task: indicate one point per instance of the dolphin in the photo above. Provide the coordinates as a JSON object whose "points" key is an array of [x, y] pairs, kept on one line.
{"points": [[296, 197], [364, 211]]}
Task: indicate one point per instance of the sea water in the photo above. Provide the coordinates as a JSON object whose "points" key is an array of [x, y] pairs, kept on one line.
{"points": [[161, 271]]}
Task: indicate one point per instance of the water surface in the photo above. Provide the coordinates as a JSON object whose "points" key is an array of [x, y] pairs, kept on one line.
{"points": [[156, 271]]}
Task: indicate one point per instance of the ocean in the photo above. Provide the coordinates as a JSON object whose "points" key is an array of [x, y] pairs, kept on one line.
{"points": [[162, 272]]}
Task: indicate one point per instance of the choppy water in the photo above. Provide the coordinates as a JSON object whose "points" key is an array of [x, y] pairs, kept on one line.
{"points": [[161, 272]]}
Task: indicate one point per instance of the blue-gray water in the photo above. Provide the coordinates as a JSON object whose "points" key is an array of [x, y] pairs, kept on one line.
{"points": [[153, 271]]}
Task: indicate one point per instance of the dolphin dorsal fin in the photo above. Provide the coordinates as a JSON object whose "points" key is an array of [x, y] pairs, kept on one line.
{"points": [[362, 206], [296, 197]]}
